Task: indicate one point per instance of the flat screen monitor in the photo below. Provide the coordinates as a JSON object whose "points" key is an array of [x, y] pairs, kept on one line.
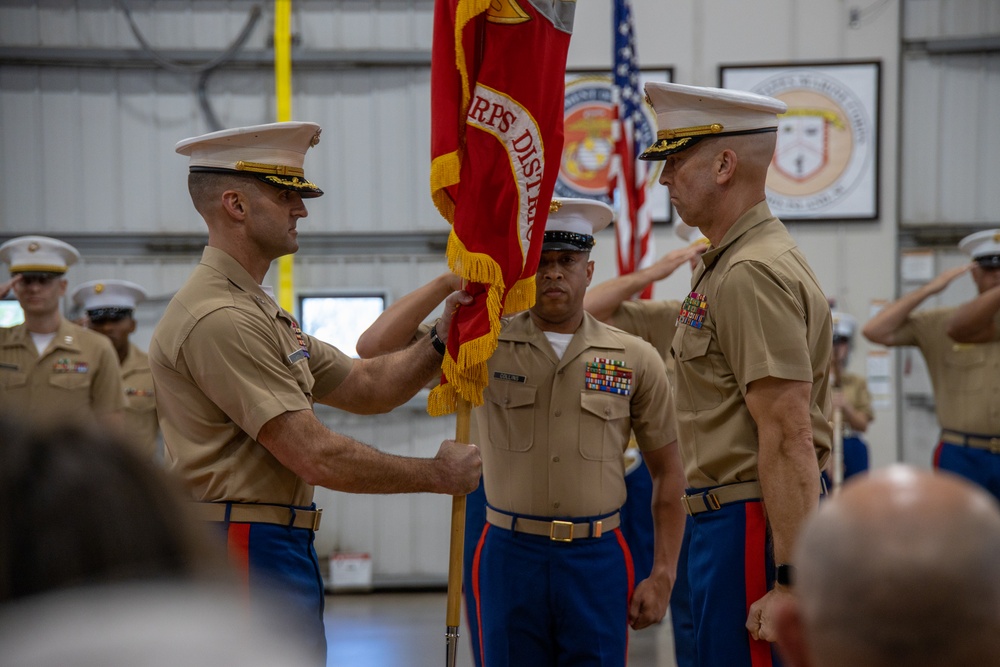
{"points": [[339, 319], [10, 313]]}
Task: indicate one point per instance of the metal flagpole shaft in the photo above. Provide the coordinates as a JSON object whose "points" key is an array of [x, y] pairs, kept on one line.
{"points": [[453, 613]]}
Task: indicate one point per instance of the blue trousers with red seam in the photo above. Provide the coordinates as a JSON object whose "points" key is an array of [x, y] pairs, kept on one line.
{"points": [[728, 566], [545, 603], [977, 465], [280, 570]]}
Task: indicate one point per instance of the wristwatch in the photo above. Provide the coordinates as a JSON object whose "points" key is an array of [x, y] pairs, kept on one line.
{"points": [[784, 574], [436, 341]]}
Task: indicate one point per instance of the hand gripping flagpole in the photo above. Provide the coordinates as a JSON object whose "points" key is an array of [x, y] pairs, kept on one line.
{"points": [[453, 612]]}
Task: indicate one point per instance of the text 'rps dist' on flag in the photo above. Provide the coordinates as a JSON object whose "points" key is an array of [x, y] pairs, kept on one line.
{"points": [[497, 85]]}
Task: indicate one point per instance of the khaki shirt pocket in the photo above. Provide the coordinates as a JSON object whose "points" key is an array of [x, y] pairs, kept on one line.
{"points": [[967, 362], [70, 381], [510, 416], [695, 374], [11, 379], [604, 425]]}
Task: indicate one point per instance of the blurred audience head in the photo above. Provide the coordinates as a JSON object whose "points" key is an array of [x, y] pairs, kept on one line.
{"points": [[902, 567]]}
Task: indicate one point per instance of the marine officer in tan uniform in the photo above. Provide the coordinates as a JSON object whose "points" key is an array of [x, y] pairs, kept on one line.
{"points": [[965, 375], [752, 352], [52, 369], [849, 393], [236, 378], [110, 307], [552, 575], [655, 321]]}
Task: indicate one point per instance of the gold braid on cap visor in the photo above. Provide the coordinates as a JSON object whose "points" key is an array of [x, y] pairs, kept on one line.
{"points": [[294, 182]]}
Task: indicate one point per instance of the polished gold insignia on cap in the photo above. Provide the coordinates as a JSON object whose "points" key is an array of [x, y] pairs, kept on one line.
{"points": [[315, 138], [293, 182], [555, 206], [664, 147], [996, 237], [33, 247], [98, 288]]}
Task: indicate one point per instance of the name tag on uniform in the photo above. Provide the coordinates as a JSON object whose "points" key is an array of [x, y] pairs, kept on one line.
{"points": [[509, 377], [298, 355]]}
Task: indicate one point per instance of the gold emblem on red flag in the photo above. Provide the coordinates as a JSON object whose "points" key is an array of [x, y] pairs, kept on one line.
{"points": [[506, 11]]}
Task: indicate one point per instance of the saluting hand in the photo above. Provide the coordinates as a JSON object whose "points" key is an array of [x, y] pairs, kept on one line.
{"points": [[944, 278], [6, 287]]}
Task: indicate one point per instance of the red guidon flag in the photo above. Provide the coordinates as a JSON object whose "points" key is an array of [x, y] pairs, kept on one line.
{"points": [[497, 85]]}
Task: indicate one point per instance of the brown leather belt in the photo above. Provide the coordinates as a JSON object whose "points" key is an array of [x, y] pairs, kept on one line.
{"points": [[710, 501], [559, 531], [988, 443], [278, 515]]}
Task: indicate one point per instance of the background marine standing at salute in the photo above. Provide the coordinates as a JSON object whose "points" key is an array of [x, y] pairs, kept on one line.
{"points": [[110, 308], [236, 378], [965, 376], [52, 370], [752, 353]]}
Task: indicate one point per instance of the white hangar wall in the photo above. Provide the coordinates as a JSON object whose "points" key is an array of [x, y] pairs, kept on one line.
{"points": [[88, 123]]}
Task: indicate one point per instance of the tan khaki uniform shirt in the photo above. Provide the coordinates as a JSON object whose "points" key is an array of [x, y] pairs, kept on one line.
{"points": [[141, 424], [76, 378], [653, 321], [553, 447], [856, 394], [966, 377], [225, 361], [755, 311]]}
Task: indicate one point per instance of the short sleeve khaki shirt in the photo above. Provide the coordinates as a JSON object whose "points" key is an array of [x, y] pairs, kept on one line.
{"points": [[756, 310], [552, 441], [77, 377], [141, 425], [225, 361], [966, 376], [856, 394]]}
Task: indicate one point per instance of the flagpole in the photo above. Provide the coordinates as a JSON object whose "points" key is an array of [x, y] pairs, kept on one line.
{"points": [[453, 613]]}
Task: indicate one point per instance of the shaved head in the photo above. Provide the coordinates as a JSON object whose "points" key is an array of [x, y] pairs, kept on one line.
{"points": [[902, 568]]}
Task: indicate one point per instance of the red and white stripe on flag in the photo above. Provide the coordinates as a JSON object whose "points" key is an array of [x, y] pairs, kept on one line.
{"points": [[629, 177]]}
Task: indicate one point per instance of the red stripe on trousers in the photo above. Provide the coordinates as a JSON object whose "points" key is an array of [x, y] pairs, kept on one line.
{"points": [[238, 547], [475, 591], [937, 455], [630, 570], [755, 575]]}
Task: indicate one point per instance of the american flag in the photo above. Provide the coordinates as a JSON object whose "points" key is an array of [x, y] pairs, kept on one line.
{"points": [[629, 175]]}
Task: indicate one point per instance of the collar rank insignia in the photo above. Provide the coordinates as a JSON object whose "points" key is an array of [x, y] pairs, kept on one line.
{"points": [[693, 310], [608, 375]]}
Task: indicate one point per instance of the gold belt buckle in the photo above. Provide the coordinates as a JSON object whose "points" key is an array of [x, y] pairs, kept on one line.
{"points": [[561, 524], [316, 518], [994, 445]]}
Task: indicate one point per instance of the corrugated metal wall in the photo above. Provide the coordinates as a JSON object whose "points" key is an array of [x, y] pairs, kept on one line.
{"points": [[98, 140], [950, 121]]}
